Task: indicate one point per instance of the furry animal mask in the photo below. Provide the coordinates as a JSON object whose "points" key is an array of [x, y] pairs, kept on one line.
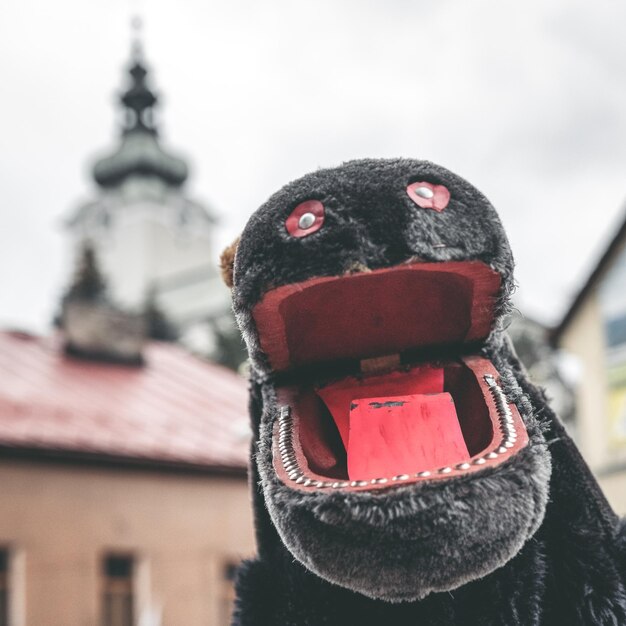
{"points": [[399, 449]]}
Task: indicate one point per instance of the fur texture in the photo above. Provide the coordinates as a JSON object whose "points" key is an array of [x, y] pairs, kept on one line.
{"points": [[531, 541], [405, 543]]}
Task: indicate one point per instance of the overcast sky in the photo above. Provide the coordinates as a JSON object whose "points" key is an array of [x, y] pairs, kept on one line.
{"points": [[526, 100]]}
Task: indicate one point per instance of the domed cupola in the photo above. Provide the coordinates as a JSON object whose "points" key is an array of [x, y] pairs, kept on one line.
{"points": [[140, 152]]}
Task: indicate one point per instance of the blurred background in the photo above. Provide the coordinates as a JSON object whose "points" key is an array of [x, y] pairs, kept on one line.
{"points": [[136, 139]]}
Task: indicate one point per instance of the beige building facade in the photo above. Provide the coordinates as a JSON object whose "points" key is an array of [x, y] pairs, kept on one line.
{"points": [[123, 487], [181, 534], [592, 332]]}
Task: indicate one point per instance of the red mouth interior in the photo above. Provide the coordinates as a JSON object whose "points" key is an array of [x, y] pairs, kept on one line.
{"points": [[403, 434], [431, 432], [376, 313], [397, 422]]}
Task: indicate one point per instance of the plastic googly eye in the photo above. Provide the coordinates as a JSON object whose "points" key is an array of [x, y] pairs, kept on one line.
{"points": [[429, 196], [305, 219]]}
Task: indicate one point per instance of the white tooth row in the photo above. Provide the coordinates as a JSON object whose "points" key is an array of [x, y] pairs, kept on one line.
{"points": [[507, 427], [290, 463]]}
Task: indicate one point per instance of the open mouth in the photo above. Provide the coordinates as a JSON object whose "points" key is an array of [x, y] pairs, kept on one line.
{"points": [[380, 378]]}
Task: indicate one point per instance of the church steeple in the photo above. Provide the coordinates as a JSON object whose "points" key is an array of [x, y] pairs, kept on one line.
{"points": [[139, 100], [140, 152], [149, 235]]}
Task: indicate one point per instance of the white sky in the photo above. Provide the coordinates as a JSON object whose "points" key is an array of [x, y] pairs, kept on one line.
{"points": [[526, 100]]}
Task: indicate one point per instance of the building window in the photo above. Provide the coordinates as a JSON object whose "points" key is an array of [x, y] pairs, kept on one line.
{"points": [[227, 594], [4, 587], [117, 598]]}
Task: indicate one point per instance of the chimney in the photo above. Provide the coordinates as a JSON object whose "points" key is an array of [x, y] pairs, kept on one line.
{"points": [[93, 327]]}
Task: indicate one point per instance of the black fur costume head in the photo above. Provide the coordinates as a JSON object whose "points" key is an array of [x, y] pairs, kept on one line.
{"points": [[371, 272]]}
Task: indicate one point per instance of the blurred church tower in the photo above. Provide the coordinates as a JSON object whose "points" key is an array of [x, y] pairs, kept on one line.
{"points": [[152, 241]]}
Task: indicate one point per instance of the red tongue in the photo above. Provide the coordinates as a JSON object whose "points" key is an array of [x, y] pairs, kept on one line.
{"points": [[394, 435], [401, 424], [338, 396]]}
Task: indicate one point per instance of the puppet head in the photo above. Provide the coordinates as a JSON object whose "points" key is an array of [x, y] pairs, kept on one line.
{"points": [[396, 452]]}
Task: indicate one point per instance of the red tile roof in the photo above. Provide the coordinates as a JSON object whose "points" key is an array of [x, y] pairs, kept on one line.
{"points": [[176, 410]]}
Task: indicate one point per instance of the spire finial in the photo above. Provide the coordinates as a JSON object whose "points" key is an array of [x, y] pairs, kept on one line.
{"points": [[136, 29], [139, 100], [140, 152]]}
